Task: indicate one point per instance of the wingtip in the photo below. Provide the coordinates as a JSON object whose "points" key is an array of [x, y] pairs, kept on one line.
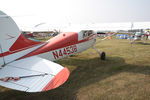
{"points": [[58, 80]]}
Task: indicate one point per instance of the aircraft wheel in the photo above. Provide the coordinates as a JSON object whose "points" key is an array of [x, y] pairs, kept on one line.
{"points": [[103, 56]]}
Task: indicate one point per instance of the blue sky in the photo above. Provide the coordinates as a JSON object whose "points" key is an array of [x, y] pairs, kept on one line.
{"points": [[26, 12]]}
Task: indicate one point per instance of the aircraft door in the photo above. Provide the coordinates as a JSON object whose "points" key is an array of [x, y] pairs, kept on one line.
{"points": [[1, 58]]}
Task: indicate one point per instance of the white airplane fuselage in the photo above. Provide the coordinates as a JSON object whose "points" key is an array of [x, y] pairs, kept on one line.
{"points": [[58, 47]]}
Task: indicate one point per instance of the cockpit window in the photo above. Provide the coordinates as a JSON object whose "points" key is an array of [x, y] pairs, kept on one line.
{"points": [[86, 33]]}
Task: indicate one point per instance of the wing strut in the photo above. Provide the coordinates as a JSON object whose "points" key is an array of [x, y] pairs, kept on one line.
{"points": [[6, 79]]}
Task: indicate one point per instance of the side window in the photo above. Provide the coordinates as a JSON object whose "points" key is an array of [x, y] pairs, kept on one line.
{"points": [[86, 33], [90, 32]]}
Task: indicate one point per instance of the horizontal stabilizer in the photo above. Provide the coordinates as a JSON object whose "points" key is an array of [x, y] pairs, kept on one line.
{"points": [[33, 74]]}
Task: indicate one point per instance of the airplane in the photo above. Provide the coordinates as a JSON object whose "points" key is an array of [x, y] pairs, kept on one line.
{"points": [[28, 65]]}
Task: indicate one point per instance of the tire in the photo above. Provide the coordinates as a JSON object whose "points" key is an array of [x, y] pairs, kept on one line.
{"points": [[103, 56]]}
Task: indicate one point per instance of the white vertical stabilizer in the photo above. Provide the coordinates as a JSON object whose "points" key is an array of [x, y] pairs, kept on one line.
{"points": [[9, 32]]}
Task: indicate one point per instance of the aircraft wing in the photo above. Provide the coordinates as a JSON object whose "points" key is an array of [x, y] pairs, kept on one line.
{"points": [[33, 74]]}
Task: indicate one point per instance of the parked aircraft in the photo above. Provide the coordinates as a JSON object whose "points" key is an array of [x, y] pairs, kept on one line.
{"points": [[28, 65]]}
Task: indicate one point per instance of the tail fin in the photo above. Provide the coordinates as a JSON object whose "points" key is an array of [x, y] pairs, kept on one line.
{"points": [[13, 44], [9, 32]]}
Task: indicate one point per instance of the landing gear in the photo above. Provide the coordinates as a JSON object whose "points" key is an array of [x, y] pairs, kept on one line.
{"points": [[103, 56]]}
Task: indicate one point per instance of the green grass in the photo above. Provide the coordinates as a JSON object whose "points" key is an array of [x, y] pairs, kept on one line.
{"points": [[116, 78]]}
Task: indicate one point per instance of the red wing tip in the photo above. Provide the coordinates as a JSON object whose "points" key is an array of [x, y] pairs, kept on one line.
{"points": [[58, 80]]}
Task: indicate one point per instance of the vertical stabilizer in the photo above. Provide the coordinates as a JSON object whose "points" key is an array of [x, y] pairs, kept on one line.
{"points": [[9, 32]]}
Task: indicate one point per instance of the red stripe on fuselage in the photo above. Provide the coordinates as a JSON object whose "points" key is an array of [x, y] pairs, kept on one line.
{"points": [[60, 41]]}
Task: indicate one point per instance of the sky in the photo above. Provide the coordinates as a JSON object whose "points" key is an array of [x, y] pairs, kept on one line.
{"points": [[29, 13]]}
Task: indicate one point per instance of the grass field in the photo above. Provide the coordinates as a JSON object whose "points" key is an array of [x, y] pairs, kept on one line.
{"points": [[119, 77]]}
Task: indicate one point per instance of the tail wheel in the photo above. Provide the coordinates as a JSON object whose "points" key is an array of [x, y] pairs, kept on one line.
{"points": [[103, 56]]}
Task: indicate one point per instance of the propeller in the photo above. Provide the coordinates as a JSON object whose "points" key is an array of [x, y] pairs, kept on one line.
{"points": [[39, 24]]}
